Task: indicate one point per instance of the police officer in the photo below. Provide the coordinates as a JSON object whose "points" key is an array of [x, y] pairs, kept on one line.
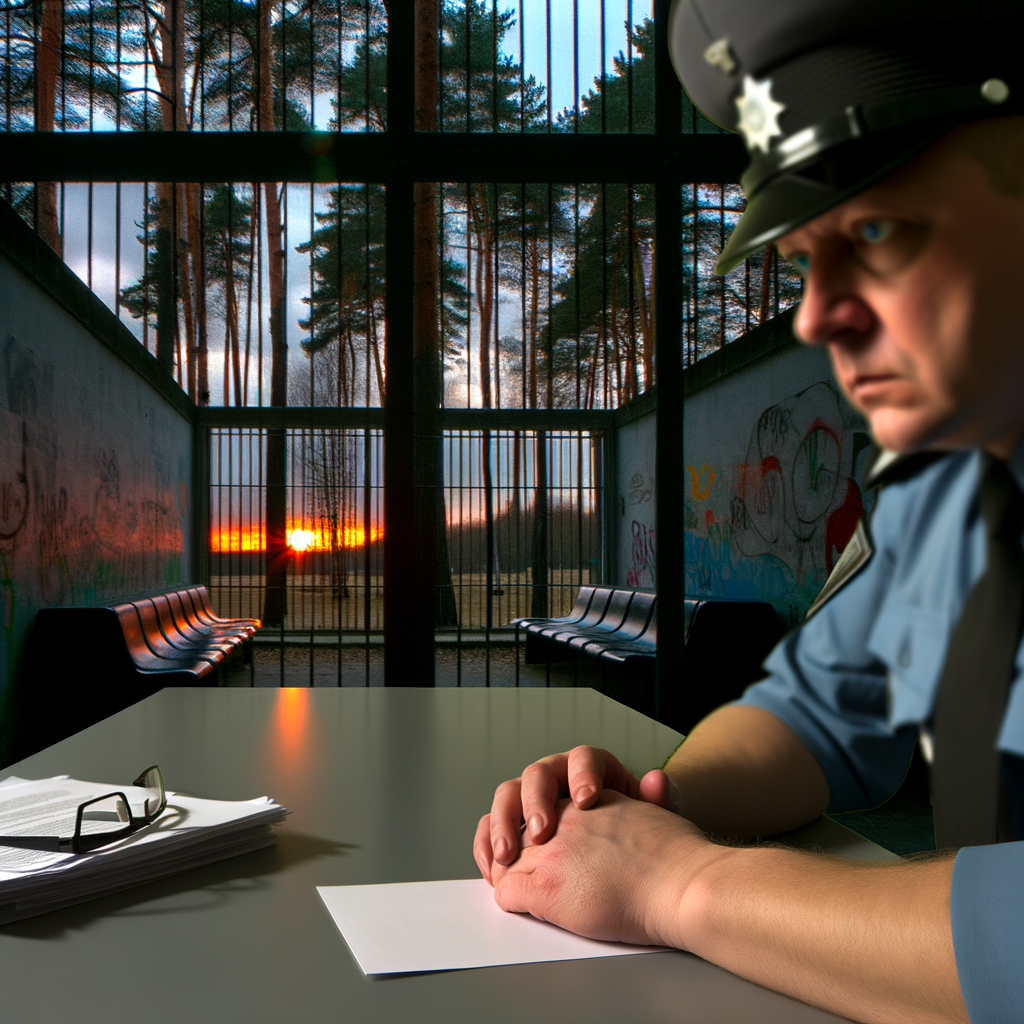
{"points": [[887, 163]]}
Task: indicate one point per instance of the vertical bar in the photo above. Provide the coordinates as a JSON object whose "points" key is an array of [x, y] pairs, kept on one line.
{"points": [[408, 633], [607, 463], [201, 484], [668, 314]]}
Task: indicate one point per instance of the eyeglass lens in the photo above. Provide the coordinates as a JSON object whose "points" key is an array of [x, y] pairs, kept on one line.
{"points": [[108, 814], [152, 782]]}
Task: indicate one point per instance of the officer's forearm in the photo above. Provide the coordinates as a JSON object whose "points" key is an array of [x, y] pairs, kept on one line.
{"points": [[869, 941], [743, 772]]}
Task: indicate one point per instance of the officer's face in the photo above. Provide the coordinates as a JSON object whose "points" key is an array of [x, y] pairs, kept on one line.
{"points": [[917, 288]]}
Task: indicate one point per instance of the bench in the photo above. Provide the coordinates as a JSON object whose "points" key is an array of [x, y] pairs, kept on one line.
{"points": [[725, 643], [610, 623], [86, 663]]}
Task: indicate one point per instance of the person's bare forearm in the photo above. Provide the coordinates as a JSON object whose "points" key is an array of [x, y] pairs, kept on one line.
{"points": [[868, 941], [743, 772]]}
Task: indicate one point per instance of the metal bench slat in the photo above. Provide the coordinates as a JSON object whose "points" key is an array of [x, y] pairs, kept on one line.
{"points": [[579, 610], [599, 606], [187, 641], [631, 628], [613, 618]]}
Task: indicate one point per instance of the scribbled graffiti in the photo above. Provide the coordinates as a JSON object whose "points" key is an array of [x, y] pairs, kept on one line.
{"points": [[787, 484], [13, 479], [93, 483], [110, 545], [641, 489], [770, 525], [641, 572]]}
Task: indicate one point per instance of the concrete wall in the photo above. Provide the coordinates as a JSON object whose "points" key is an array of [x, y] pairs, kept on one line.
{"points": [[95, 452], [635, 545], [773, 454]]}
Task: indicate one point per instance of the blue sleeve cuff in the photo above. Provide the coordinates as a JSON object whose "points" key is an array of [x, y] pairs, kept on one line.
{"points": [[986, 910]]}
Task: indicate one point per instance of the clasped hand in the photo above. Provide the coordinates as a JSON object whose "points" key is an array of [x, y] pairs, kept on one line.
{"points": [[579, 841]]}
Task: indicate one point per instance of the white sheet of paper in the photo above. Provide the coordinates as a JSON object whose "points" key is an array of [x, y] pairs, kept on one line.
{"points": [[443, 926]]}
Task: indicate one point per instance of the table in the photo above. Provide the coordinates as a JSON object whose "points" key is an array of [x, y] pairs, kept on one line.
{"points": [[384, 785]]}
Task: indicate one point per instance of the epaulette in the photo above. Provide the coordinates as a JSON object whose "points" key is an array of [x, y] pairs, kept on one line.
{"points": [[881, 467], [884, 466], [855, 556]]}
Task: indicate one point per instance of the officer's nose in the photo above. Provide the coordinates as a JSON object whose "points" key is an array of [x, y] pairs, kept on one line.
{"points": [[830, 314]]}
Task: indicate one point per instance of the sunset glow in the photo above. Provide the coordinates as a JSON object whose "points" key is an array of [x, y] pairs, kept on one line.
{"points": [[301, 540], [302, 536]]}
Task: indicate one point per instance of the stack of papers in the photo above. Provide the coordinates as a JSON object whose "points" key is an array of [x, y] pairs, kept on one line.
{"points": [[190, 832]]}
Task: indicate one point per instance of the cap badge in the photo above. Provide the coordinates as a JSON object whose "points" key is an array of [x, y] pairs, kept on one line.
{"points": [[995, 90], [719, 55], [759, 114]]}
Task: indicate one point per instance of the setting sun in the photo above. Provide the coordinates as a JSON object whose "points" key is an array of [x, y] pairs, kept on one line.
{"points": [[302, 536], [301, 540]]}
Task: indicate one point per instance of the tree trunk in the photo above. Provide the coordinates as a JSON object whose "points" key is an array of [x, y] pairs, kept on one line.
{"points": [[231, 304], [184, 275], [193, 200], [275, 604], [254, 220], [484, 227], [766, 278], [539, 603], [646, 332], [170, 76], [534, 251], [428, 458], [47, 72]]}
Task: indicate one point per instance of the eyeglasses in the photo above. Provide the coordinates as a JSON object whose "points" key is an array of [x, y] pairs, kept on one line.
{"points": [[103, 819]]}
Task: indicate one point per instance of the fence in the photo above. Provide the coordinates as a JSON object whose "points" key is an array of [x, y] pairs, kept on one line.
{"points": [[345, 231]]}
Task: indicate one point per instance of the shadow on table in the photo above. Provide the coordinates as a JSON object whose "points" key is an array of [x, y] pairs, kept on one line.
{"points": [[209, 887]]}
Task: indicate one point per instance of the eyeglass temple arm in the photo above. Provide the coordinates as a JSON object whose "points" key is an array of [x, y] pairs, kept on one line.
{"points": [[49, 844]]}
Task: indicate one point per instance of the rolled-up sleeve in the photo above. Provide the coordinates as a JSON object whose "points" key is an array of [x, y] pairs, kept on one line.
{"points": [[986, 909]]}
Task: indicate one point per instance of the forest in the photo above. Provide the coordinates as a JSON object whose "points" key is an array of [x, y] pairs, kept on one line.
{"points": [[545, 291], [529, 296]]}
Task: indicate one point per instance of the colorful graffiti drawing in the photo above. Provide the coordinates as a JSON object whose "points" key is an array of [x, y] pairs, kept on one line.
{"points": [[773, 528], [702, 480], [787, 486]]}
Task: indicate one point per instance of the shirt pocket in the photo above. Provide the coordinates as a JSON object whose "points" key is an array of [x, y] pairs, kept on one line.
{"points": [[911, 642]]}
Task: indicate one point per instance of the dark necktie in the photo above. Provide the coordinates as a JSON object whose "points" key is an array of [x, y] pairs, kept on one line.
{"points": [[971, 699]]}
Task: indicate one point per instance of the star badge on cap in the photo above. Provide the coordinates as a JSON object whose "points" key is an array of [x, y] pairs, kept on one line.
{"points": [[759, 114]]}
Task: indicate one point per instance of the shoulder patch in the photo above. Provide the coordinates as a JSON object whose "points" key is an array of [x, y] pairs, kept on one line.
{"points": [[855, 556]]}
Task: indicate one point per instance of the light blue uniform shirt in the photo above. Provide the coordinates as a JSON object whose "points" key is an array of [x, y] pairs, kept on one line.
{"points": [[859, 677]]}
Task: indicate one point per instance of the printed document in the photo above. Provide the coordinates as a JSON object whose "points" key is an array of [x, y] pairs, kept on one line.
{"points": [[189, 833]]}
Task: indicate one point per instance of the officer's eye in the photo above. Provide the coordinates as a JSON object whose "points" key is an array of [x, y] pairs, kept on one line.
{"points": [[885, 245], [875, 231], [801, 261]]}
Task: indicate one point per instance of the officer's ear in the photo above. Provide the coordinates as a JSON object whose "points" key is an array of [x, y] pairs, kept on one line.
{"points": [[997, 143]]}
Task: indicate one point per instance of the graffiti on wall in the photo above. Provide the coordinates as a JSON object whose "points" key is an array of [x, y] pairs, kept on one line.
{"points": [[771, 525], [641, 572], [639, 501], [88, 509]]}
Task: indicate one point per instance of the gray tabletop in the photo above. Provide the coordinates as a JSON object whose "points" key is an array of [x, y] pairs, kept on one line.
{"points": [[384, 785]]}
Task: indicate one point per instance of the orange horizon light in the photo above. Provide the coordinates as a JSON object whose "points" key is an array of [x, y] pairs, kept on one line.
{"points": [[302, 537]]}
